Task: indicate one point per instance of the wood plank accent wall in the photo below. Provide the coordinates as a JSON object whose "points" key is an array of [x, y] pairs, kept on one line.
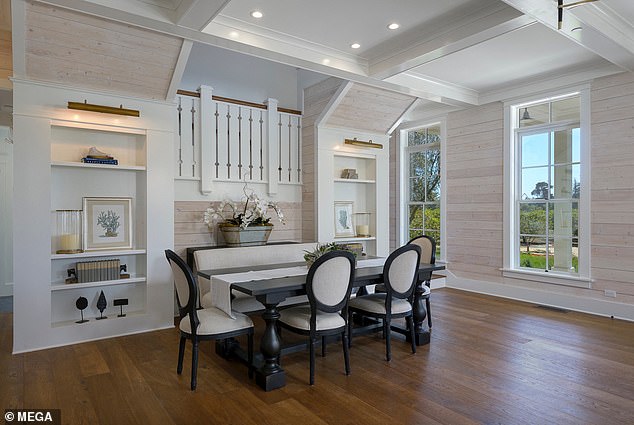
{"points": [[612, 203], [316, 98], [189, 229], [369, 109], [84, 51], [475, 184], [6, 55]]}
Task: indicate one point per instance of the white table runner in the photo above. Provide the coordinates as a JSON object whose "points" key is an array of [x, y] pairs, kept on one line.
{"points": [[221, 284]]}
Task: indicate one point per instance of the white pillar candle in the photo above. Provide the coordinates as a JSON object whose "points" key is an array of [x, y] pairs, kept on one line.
{"points": [[363, 230], [69, 242]]}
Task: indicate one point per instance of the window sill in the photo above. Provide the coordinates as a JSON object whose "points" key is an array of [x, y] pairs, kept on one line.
{"points": [[548, 277]]}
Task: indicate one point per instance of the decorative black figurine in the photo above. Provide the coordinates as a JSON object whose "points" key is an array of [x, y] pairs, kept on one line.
{"points": [[120, 302], [81, 304], [101, 305]]}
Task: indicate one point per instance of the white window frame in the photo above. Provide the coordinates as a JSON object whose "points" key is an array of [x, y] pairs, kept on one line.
{"points": [[511, 217], [404, 183]]}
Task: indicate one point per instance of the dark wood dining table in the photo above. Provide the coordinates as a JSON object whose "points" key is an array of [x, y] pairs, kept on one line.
{"points": [[271, 292]]}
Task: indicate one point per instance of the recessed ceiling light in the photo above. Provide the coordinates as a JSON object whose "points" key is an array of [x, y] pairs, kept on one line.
{"points": [[355, 45], [256, 14], [393, 26], [326, 61], [234, 34]]}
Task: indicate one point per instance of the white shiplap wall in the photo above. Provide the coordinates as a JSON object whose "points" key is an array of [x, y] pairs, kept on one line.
{"points": [[475, 188], [84, 51], [475, 191], [612, 204], [191, 231], [316, 99]]}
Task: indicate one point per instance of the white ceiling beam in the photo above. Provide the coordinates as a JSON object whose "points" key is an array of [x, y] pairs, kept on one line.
{"points": [[441, 39], [460, 95], [400, 119], [435, 94], [333, 103], [603, 31], [548, 83], [197, 14], [179, 69]]}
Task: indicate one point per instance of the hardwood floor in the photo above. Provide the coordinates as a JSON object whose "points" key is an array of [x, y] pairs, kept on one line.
{"points": [[489, 361]]}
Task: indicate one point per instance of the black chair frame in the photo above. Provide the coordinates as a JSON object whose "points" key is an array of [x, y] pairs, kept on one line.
{"points": [[190, 310], [390, 294], [425, 278], [315, 305]]}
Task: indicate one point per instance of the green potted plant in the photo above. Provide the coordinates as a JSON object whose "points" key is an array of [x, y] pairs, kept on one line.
{"points": [[321, 249]]}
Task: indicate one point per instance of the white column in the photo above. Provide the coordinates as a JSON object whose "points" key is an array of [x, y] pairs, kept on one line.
{"points": [[273, 137], [206, 140]]}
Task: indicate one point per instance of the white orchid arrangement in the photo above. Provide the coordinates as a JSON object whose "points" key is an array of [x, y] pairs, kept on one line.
{"points": [[253, 213]]}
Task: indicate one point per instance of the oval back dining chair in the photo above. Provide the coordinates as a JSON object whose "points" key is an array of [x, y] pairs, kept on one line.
{"points": [[427, 245], [399, 277], [328, 286], [204, 324]]}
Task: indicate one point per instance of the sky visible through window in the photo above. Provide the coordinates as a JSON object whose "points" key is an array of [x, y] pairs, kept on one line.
{"points": [[535, 155]]}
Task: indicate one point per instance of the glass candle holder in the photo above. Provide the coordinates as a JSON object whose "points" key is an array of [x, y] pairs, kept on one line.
{"points": [[362, 224], [68, 231]]}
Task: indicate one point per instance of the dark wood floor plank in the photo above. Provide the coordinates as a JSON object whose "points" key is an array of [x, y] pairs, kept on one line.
{"points": [[41, 393], [490, 361], [71, 388], [143, 403], [11, 367]]}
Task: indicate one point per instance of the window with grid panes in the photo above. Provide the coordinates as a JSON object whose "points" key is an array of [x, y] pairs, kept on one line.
{"points": [[548, 175], [423, 183]]}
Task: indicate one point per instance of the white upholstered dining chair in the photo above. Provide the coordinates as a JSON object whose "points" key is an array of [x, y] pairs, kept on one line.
{"points": [[202, 324], [400, 274], [328, 286]]}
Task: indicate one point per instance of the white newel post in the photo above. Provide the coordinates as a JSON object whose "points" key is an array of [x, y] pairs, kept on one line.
{"points": [[273, 136], [206, 138]]}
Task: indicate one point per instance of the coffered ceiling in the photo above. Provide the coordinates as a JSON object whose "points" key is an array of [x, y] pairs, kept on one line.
{"points": [[452, 52]]}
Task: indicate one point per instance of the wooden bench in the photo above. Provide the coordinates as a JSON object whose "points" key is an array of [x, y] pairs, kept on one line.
{"points": [[221, 258]]}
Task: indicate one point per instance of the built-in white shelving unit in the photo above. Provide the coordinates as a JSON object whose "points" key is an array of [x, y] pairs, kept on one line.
{"points": [[367, 189], [50, 142], [71, 180]]}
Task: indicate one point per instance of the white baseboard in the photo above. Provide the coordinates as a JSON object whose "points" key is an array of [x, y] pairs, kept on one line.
{"points": [[598, 307]]}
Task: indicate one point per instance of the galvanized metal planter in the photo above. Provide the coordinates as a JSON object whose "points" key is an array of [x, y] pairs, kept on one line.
{"points": [[251, 236]]}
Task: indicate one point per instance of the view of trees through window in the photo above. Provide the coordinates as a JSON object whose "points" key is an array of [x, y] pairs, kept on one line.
{"points": [[549, 186], [423, 208]]}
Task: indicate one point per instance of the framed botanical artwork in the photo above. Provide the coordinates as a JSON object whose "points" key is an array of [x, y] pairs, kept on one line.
{"points": [[107, 223], [343, 219]]}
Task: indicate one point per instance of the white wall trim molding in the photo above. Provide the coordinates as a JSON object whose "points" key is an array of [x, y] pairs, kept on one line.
{"points": [[566, 301], [63, 344], [402, 179], [179, 69], [72, 89], [549, 83]]}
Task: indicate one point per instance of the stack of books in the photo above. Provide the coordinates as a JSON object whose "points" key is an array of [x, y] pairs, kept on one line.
{"points": [[95, 271], [97, 157]]}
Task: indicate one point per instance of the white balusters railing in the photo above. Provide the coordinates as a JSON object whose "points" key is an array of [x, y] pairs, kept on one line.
{"points": [[221, 139], [187, 138]]}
